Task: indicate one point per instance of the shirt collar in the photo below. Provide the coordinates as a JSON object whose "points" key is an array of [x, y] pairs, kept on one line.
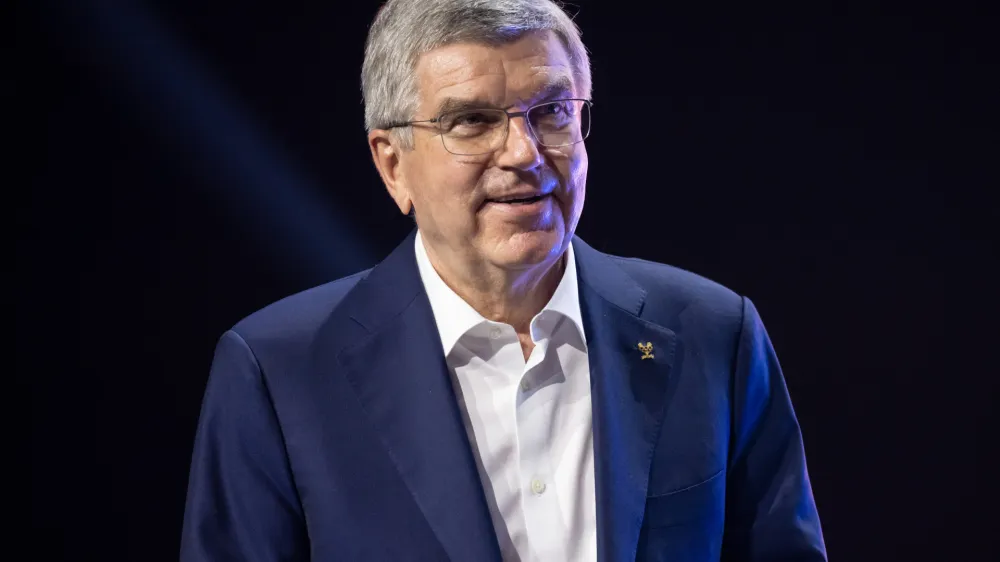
{"points": [[455, 317]]}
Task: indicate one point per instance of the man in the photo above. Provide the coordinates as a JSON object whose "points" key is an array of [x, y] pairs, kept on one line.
{"points": [[496, 389]]}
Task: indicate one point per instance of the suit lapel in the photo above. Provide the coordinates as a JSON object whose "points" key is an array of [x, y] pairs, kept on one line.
{"points": [[629, 390], [402, 381]]}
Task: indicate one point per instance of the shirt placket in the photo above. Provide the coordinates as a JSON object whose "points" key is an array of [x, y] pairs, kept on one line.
{"points": [[539, 497]]}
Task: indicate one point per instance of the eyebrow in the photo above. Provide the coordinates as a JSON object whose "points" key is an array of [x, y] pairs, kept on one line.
{"points": [[560, 84]]}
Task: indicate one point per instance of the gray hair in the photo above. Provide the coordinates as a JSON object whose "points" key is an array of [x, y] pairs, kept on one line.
{"points": [[404, 30]]}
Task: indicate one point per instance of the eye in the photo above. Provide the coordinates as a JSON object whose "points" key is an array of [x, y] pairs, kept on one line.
{"points": [[469, 118], [553, 109], [555, 114]]}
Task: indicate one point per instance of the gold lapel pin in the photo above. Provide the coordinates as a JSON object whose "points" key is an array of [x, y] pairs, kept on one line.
{"points": [[646, 349]]}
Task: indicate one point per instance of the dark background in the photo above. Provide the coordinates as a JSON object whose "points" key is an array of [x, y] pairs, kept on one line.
{"points": [[192, 161]]}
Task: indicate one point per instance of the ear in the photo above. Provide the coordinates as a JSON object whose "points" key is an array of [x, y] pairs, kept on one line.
{"points": [[385, 153]]}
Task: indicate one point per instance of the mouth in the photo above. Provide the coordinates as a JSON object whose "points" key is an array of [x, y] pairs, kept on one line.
{"points": [[518, 200]]}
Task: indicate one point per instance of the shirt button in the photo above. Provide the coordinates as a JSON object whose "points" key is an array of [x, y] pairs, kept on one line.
{"points": [[537, 486], [495, 333]]}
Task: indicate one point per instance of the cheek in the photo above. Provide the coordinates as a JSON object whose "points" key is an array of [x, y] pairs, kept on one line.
{"points": [[577, 188], [578, 173], [572, 166], [458, 181], [576, 176], [445, 185]]}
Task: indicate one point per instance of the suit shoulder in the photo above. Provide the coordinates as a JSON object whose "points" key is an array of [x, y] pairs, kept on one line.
{"points": [[298, 314], [673, 290]]}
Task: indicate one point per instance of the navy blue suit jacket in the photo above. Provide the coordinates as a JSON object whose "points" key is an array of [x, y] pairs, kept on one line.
{"points": [[330, 430]]}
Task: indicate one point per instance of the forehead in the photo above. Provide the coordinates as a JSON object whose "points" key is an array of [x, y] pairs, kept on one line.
{"points": [[500, 75]]}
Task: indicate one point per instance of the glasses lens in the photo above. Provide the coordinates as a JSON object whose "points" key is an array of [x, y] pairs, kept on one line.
{"points": [[472, 131], [560, 123]]}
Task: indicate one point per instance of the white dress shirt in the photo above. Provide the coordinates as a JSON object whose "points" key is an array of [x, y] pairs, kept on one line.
{"points": [[529, 422]]}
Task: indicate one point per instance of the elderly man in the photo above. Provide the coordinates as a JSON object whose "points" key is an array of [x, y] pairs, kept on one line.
{"points": [[496, 389]]}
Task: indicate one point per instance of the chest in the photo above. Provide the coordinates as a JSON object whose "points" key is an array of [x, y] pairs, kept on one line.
{"points": [[529, 421]]}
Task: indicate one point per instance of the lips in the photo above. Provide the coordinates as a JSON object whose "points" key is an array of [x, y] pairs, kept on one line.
{"points": [[522, 199]]}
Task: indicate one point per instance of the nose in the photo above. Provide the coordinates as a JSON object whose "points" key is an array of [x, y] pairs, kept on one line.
{"points": [[520, 149]]}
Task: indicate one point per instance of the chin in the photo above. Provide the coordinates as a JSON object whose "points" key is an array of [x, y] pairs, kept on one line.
{"points": [[526, 249]]}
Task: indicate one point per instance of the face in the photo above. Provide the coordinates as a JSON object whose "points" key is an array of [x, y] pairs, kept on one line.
{"points": [[457, 199]]}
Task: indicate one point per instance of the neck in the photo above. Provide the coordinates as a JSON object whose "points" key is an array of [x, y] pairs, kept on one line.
{"points": [[512, 297]]}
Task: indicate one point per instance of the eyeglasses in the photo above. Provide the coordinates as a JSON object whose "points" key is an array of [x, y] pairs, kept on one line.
{"points": [[472, 132]]}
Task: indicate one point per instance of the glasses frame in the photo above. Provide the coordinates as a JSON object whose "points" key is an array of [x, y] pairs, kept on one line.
{"points": [[510, 115]]}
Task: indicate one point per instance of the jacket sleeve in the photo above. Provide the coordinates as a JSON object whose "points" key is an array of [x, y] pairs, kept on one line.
{"points": [[771, 515], [241, 501]]}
